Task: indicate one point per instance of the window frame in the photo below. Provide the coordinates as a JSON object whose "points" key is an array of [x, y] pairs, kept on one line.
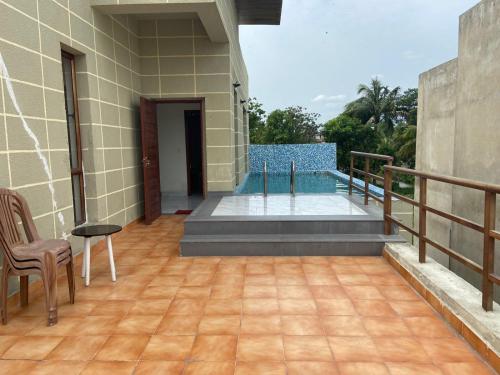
{"points": [[78, 170]]}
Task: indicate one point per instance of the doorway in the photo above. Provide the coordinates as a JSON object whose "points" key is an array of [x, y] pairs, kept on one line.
{"points": [[181, 162], [194, 160]]}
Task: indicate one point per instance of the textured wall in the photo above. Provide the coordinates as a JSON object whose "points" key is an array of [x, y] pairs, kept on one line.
{"points": [[458, 131], [436, 144], [309, 157]]}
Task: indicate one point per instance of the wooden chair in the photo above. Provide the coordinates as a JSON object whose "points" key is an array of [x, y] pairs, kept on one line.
{"points": [[32, 257]]}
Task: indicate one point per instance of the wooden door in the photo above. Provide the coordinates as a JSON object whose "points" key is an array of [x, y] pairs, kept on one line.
{"points": [[150, 161]]}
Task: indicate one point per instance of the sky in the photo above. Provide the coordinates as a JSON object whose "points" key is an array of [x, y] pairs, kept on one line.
{"points": [[324, 49]]}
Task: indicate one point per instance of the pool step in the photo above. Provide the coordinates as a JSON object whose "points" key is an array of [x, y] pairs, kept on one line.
{"points": [[286, 245], [282, 227]]}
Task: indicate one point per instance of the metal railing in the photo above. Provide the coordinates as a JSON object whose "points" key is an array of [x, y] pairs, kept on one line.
{"points": [[490, 234], [265, 179], [292, 178], [366, 173]]}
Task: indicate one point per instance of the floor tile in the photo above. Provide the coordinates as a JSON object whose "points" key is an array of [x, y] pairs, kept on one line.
{"points": [[174, 325], [16, 366], [220, 325], [256, 306], [328, 292], [193, 292], [335, 307], [307, 348], [107, 367], [112, 308], [465, 368], [226, 292], [209, 368], [261, 324], [260, 291], [343, 326], [260, 348], [413, 369], [78, 348], [428, 327], [381, 326], [168, 348], [6, 342], [297, 307], [259, 269], [138, 324], [223, 307], [373, 308], [159, 368], [412, 308], [401, 349], [294, 292], [363, 292], [150, 307], [359, 368], [260, 368], [354, 279], [447, 350], [122, 348], [61, 367], [300, 325], [311, 368], [214, 348], [34, 347], [186, 307], [96, 325], [353, 349]]}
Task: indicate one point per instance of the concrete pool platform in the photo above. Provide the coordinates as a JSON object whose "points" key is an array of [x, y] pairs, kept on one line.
{"points": [[341, 226]]}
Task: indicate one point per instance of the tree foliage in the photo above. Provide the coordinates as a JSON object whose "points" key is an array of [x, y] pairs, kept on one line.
{"points": [[291, 125], [350, 134], [256, 121], [390, 114]]}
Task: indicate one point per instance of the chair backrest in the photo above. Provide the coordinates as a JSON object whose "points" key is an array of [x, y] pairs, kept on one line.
{"points": [[12, 207]]}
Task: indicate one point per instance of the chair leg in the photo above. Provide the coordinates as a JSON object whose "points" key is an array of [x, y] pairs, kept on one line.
{"points": [[23, 286], [5, 288], [49, 276], [71, 280]]}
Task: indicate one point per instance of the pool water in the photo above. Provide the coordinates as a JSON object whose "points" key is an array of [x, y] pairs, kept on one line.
{"points": [[305, 182]]}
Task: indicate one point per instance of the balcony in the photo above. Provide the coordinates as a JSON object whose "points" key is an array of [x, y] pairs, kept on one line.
{"points": [[233, 315]]}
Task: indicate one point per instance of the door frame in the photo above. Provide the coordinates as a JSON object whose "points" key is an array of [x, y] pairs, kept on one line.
{"points": [[201, 102]]}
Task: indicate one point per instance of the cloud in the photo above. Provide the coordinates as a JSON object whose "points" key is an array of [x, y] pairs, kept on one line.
{"points": [[328, 98]]}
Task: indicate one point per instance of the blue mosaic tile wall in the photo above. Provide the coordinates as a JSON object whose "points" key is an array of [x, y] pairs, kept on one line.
{"points": [[308, 157]]}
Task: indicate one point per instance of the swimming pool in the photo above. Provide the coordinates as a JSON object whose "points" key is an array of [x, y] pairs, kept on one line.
{"points": [[305, 182]]}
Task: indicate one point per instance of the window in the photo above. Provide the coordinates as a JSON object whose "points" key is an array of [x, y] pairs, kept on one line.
{"points": [[75, 148]]}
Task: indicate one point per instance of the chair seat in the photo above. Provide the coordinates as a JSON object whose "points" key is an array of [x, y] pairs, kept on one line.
{"points": [[36, 249]]}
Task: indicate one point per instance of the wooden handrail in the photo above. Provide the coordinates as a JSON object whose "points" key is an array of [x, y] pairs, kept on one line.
{"points": [[372, 156], [366, 173], [490, 234], [447, 179]]}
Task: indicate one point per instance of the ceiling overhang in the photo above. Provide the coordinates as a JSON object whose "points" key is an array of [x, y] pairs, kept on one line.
{"points": [[206, 11], [259, 12]]}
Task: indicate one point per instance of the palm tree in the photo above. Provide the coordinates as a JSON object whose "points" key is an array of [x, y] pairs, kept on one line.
{"points": [[377, 103]]}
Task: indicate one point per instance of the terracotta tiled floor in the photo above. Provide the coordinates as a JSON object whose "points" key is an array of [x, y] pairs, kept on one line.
{"points": [[263, 315]]}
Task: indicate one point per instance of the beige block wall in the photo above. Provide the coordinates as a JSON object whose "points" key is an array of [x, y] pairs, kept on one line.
{"points": [[178, 60], [118, 59]]}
